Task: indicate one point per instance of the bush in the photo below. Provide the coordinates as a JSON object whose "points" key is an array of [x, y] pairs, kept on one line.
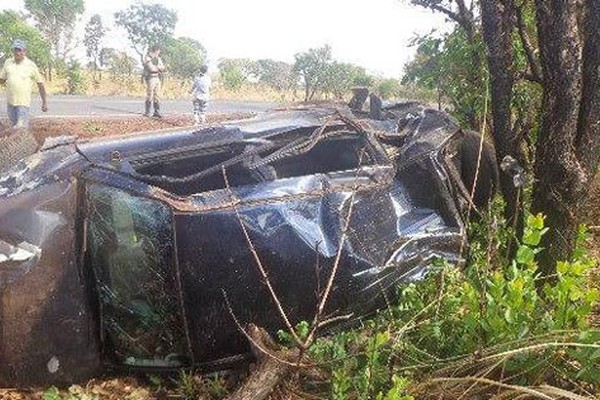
{"points": [[492, 323], [75, 78]]}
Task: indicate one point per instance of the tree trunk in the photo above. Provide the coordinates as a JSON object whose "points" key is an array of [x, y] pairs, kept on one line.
{"points": [[569, 138], [498, 28]]}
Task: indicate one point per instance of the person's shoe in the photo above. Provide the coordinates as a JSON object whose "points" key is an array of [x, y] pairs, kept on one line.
{"points": [[157, 110], [148, 105]]}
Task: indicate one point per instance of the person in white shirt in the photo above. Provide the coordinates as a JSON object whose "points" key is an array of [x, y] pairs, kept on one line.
{"points": [[201, 95]]}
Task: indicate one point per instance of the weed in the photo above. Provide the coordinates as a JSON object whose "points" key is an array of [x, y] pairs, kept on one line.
{"points": [[190, 386], [491, 321], [75, 392], [92, 127]]}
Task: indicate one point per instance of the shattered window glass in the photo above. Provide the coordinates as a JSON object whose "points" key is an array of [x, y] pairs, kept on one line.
{"points": [[130, 248]]}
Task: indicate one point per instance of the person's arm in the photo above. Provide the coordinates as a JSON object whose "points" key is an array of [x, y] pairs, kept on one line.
{"points": [[148, 65], [3, 75], [42, 90]]}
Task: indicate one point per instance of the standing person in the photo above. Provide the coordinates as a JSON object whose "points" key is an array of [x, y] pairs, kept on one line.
{"points": [[201, 95], [153, 68], [18, 73]]}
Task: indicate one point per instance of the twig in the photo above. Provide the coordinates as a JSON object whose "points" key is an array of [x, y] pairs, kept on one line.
{"points": [[510, 353], [259, 264], [255, 343], [485, 381]]}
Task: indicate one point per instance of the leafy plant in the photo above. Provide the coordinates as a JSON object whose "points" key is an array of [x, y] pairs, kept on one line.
{"points": [[191, 386], [92, 127], [456, 317], [75, 392], [75, 79]]}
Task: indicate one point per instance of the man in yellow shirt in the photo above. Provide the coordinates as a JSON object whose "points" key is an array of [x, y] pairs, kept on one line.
{"points": [[18, 73]]}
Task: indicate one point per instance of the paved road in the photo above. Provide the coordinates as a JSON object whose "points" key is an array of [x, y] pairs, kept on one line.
{"points": [[66, 105]]}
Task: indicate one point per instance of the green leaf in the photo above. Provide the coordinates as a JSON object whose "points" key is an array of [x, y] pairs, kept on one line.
{"points": [[532, 237], [52, 394], [525, 255], [536, 221]]}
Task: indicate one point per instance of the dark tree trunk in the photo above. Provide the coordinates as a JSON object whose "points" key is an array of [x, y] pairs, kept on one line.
{"points": [[568, 141], [498, 28]]}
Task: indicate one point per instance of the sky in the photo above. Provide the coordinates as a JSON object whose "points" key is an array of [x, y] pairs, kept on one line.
{"points": [[374, 34]]}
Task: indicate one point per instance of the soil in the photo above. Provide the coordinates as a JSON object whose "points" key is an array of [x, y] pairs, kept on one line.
{"points": [[89, 127]]}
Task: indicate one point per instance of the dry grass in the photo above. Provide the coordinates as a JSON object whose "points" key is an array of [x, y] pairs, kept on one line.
{"points": [[173, 88]]}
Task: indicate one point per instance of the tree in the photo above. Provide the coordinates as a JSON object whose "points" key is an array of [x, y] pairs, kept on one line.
{"points": [[146, 25], [568, 144], [388, 88], [106, 56], [339, 78], [56, 20], [235, 72], [121, 64], [12, 26], [568, 139], [184, 56], [460, 74], [312, 68], [566, 36], [277, 74], [94, 33]]}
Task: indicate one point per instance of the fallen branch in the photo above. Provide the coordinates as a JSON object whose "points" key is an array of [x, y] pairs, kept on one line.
{"points": [[268, 371]]}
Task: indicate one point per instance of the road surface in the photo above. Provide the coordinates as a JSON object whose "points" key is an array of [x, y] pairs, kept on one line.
{"points": [[74, 106]]}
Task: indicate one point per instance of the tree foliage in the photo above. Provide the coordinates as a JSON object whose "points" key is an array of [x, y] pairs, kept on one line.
{"points": [[235, 72], [388, 88], [121, 64], [12, 27], [278, 75], [312, 67], [56, 20], [184, 56], [340, 77], [94, 33], [146, 25]]}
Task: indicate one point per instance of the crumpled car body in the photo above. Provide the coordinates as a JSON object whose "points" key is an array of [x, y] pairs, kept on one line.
{"points": [[154, 250]]}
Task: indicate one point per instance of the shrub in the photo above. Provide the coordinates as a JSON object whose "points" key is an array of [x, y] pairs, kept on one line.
{"points": [[75, 78], [496, 323]]}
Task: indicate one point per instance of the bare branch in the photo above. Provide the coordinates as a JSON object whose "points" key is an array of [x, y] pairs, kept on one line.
{"points": [[436, 7], [534, 65], [260, 266]]}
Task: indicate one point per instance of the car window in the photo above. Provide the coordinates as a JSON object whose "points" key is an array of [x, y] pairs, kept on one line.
{"points": [[294, 154], [130, 250]]}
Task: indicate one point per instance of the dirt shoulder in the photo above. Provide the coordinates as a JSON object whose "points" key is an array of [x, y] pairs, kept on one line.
{"points": [[90, 127]]}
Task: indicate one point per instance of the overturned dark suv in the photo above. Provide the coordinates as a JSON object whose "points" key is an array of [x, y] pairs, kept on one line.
{"points": [[144, 250]]}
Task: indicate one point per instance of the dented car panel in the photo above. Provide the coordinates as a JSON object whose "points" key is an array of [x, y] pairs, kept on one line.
{"points": [[150, 251]]}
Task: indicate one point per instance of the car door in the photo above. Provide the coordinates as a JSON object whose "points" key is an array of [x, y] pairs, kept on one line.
{"points": [[131, 255]]}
